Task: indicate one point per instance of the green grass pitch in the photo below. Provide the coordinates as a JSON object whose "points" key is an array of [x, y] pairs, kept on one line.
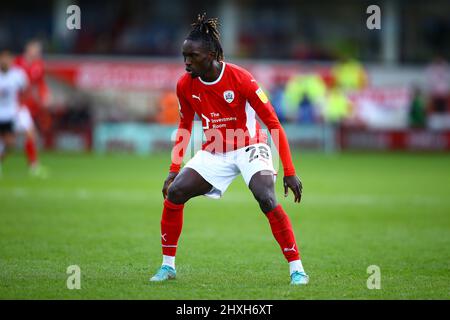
{"points": [[102, 213]]}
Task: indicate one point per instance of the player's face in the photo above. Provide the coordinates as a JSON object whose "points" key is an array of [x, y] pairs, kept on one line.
{"points": [[197, 59], [5, 60], [33, 51]]}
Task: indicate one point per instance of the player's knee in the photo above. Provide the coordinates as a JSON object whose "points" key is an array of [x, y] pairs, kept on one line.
{"points": [[176, 194], [9, 143], [30, 134], [266, 201]]}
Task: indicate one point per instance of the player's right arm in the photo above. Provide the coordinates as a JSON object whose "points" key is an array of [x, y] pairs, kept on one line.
{"points": [[182, 137]]}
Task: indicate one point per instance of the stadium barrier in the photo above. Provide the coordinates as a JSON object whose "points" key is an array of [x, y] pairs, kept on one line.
{"points": [[391, 140], [145, 138], [149, 138]]}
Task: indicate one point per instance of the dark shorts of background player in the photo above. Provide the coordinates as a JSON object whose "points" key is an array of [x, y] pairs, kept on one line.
{"points": [[6, 127]]}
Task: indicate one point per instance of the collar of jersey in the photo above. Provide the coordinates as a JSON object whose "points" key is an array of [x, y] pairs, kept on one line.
{"points": [[218, 79]]}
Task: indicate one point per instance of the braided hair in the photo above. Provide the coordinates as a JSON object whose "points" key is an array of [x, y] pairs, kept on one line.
{"points": [[207, 31]]}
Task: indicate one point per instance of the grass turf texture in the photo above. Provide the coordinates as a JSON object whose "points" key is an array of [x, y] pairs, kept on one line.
{"points": [[102, 213]]}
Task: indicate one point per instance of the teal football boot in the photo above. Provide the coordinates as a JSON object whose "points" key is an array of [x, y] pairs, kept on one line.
{"points": [[164, 273], [299, 278]]}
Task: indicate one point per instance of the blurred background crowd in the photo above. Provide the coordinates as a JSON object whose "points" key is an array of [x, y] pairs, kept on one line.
{"points": [[329, 77]]}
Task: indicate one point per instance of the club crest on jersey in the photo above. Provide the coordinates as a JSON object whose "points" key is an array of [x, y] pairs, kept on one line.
{"points": [[228, 96]]}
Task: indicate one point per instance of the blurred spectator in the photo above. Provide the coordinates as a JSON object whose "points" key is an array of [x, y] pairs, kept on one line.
{"points": [[417, 109], [438, 80], [168, 109], [306, 110], [350, 74], [293, 95], [304, 95], [277, 100], [337, 106]]}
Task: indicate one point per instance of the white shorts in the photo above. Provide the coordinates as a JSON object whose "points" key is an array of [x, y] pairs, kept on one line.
{"points": [[220, 169], [23, 121]]}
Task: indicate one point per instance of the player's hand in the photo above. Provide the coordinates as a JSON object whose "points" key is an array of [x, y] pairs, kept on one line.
{"points": [[167, 183], [293, 183]]}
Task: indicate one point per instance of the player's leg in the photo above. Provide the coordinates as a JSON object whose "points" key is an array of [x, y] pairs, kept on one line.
{"points": [[256, 166], [25, 124], [6, 137], [2, 153], [6, 142], [2, 149], [30, 148], [188, 184], [205, 174], [263, 189], [2, 142]]}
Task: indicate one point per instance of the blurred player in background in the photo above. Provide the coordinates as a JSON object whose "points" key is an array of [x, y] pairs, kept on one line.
{"points": [[13, 82], [228, 99], [34, 101]]}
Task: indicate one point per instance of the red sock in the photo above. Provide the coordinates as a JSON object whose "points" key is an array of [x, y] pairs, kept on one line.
{"points": [[171, 225], [283, 233], [31, 151]]}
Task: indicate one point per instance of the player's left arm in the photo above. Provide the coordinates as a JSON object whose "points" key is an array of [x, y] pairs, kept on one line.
{"points": [[43, 90], [23, 83], [265, 111]]}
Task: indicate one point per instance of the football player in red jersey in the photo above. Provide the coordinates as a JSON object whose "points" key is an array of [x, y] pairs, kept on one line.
{"points": [[35, 97], [227, 99]]}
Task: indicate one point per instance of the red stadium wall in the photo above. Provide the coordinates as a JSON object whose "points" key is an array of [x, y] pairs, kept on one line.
{"points": [[390, 140], [157, 75]]}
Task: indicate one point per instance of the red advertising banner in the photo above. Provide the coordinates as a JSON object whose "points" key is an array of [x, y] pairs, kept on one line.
{"points": [[413, 140], [155, 75]]}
